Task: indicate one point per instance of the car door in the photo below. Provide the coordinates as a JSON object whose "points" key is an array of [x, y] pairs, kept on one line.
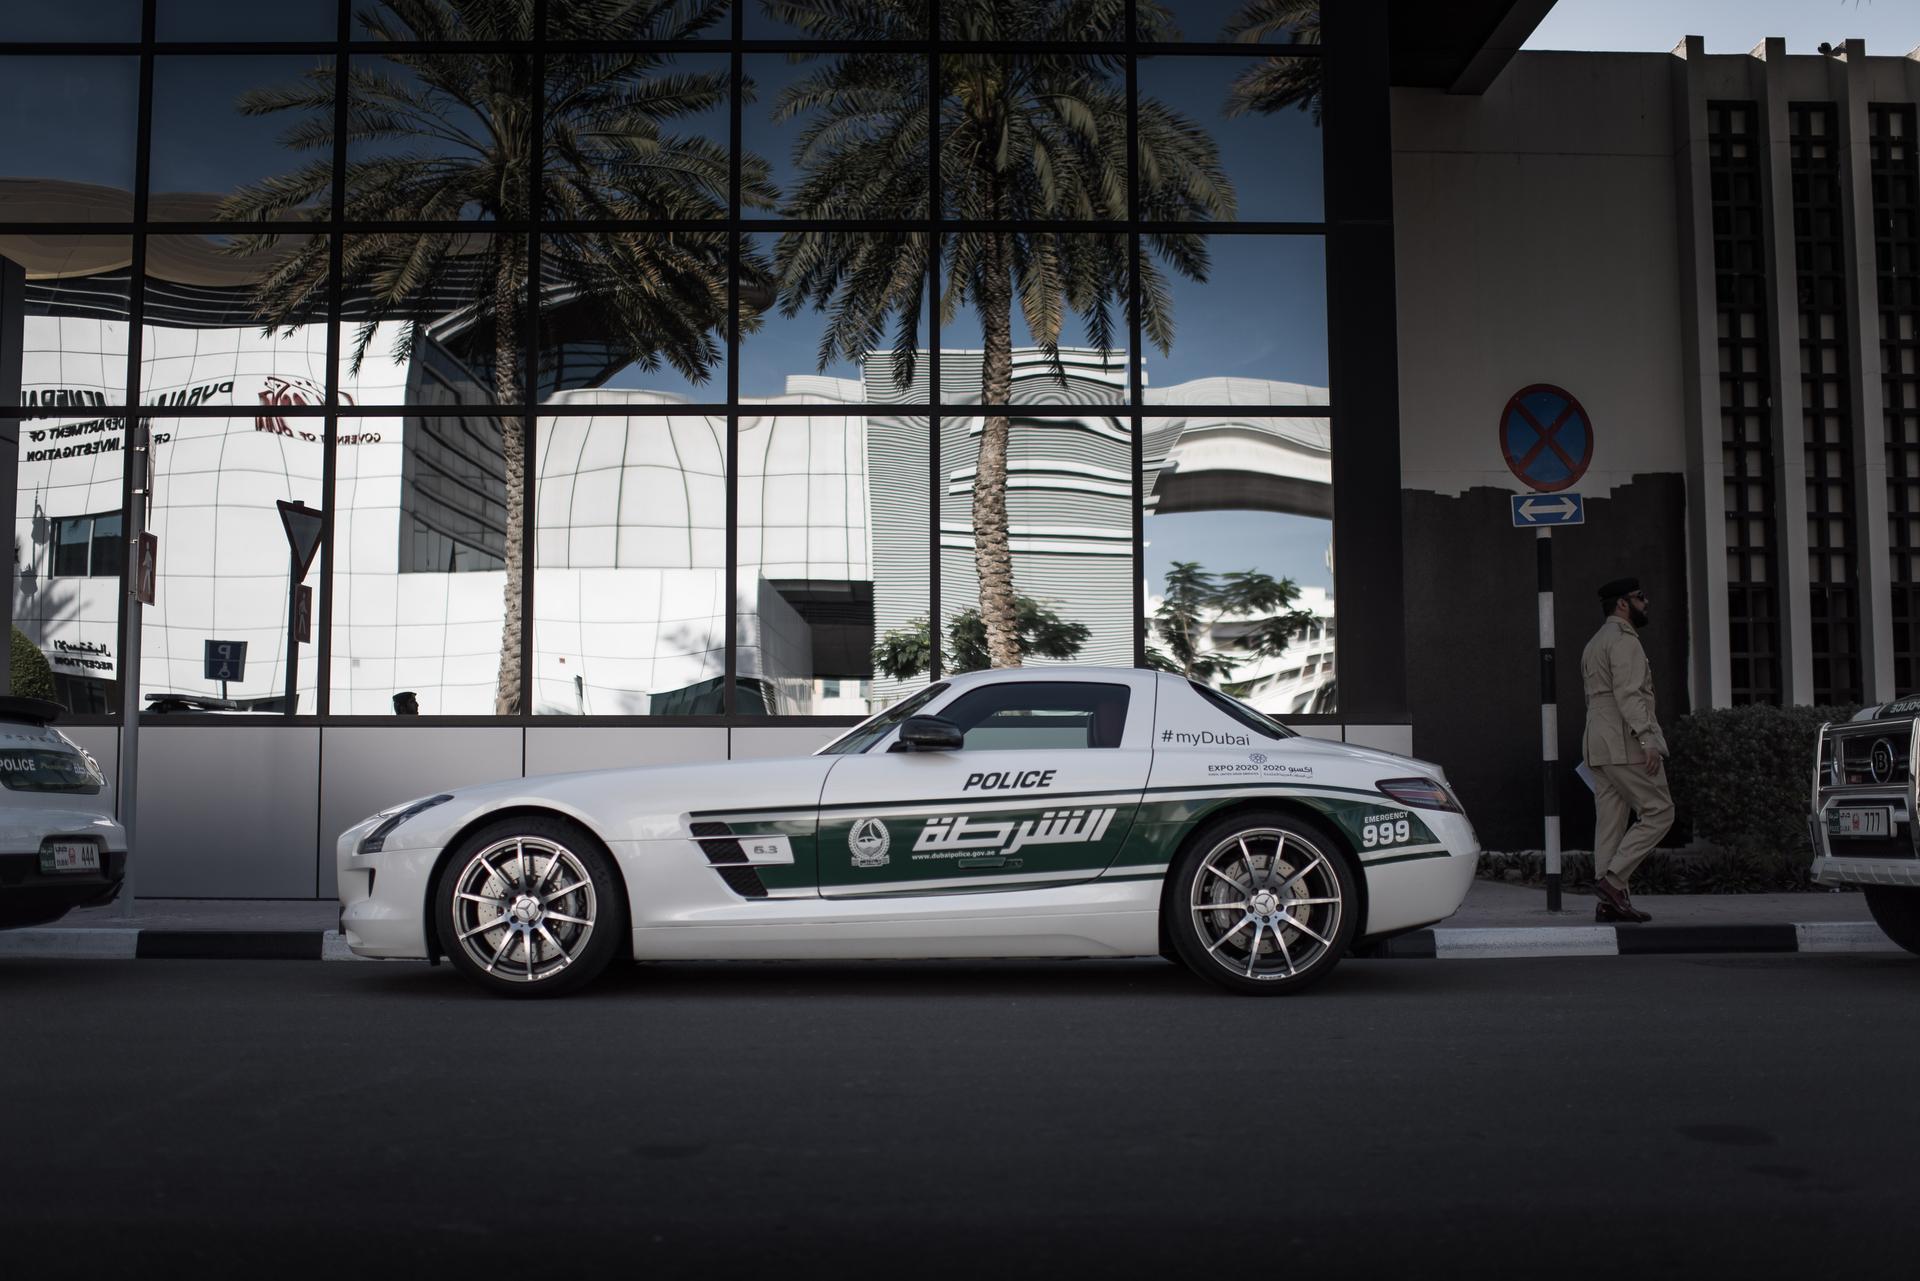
{"points": [[1043, 791]]}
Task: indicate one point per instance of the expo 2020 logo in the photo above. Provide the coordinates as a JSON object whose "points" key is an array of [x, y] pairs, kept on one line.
{"points": [[868, 842]]}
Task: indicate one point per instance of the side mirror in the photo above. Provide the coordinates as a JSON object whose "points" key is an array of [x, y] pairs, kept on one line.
{"points": [[929, 734]]}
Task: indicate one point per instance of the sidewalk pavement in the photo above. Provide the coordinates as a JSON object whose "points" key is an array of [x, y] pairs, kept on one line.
{"points": [[1497, 920]]}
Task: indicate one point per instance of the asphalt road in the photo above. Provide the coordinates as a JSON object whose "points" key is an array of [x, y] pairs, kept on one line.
{"points": [[1613, 1117]]}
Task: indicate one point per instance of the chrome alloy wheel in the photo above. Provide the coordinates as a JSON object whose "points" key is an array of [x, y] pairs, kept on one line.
{"points": [[524, 908], [1266, 904]]}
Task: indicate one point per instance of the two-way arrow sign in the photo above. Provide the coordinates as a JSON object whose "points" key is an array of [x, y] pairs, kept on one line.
{"points": [[1533, 510]]}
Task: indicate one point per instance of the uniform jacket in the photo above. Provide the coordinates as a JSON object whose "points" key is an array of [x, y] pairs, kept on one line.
{"points": [[1619, 684]]}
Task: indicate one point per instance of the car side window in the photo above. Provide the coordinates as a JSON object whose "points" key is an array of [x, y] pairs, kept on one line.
{"points": [[1040, 716]]}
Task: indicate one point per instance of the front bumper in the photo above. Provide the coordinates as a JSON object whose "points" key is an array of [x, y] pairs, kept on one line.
{"points": [[1847, 860], [383, 897], [29, 896]]}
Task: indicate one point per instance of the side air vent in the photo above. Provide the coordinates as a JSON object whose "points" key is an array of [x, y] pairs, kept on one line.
{"points": [[728, 859]]}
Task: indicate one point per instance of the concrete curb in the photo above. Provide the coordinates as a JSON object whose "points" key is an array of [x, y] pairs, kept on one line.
{"points": [[1442, 944], [1632, 940]]}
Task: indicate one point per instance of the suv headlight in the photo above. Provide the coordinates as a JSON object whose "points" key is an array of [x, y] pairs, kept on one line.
{"points": [[376, 840]]}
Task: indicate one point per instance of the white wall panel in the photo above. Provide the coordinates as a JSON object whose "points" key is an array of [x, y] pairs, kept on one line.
{"points": [[561, 749], [367, 768], [226, 811], [760, 743]]}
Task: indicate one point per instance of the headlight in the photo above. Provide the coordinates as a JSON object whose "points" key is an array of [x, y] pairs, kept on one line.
{"points": [[376, 840], [1426, 793]]}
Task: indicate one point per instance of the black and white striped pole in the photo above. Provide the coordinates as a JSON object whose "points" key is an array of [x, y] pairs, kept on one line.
{"points": [[1549, 716]]}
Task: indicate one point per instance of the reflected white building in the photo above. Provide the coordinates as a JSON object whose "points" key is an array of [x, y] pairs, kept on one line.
{"points": [[629, 553]]}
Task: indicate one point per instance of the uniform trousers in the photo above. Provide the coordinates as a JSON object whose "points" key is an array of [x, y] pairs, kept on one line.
{"points": [[1618, 789]]}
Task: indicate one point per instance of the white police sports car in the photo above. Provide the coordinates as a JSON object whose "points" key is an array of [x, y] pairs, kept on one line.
{"points": [[60, 847], [1028, 812]]}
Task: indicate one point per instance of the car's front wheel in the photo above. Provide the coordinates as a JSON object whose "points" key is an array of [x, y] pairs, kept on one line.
{"points": [[1896, 910], [1262, 904], [529, 906]]}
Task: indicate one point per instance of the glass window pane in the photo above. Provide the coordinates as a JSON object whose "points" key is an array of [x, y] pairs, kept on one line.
{"points": [[685, 20], [81, 171], [1231, 125], [114, 21], [843, 135], [71, 541], [441, 133], [235, 321], [243, 137], [433, 318], [421, 592], [893, 20], [874, 340], [833, 545], [209, 20], [1017, 302], [1239, 557], [223, 570], [1221, 21], [1054, 545], [635, 312], [1032, 137], [1234, 307], [74, 333], [631, 547], [108, 547], [641, 135]]}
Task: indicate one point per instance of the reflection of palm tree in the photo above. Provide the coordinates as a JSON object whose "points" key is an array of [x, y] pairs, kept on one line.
{"points": [[455, 132], [1262, 604], [1038, 136], [1279, 82]]}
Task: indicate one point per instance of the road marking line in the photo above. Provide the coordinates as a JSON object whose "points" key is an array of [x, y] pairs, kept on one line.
{"points": [[101, 945]]}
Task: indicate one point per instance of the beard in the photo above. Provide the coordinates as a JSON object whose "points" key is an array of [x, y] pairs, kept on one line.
{"points": [[1636, 616]]}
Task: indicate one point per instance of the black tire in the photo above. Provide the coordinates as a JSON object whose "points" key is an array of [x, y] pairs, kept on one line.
{"points": [[528, 860], [1266, 860], [1896, 910]]}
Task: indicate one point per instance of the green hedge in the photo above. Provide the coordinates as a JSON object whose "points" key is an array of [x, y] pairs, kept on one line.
{"points": [[32, 678], [1742, 779]]}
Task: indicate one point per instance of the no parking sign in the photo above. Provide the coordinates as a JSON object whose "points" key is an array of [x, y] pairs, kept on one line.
{"points": [[1546, 437]]}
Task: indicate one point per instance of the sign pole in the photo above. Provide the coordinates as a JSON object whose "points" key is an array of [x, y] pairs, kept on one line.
{"points": [[295, 571], [128, 784], [1549, 717]]}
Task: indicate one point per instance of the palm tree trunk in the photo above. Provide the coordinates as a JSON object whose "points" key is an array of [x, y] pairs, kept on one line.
{"points": [[992, 555], [513, 457]]}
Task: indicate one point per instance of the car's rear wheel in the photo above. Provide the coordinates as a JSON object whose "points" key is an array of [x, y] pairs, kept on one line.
{"points": [[1262, 904], [529, 906], [1896, 910]]}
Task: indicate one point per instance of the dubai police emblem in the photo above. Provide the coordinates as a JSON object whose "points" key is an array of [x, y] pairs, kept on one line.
{"points": [[869, 841]]}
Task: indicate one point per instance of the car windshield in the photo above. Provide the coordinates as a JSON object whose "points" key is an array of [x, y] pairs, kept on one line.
{"points": [[874, 728]]}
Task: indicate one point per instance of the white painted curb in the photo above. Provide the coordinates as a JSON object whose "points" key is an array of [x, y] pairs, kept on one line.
{"points": [[1844, 936], [1523, 941], [333, 947]]}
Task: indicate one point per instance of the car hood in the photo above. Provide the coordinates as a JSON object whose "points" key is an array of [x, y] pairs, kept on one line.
{"points": [[1401, 766]]}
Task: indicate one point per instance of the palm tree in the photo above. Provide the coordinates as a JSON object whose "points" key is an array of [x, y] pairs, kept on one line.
{"points": [[1263, 603], [456, 132], [1039, 137], [1279, 82]]}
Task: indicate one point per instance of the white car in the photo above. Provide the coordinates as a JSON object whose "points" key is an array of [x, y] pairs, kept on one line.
{"points": [[1863, 820], [60, 847], [1028, 812]]}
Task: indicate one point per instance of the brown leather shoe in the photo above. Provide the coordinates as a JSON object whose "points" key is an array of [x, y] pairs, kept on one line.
{"points": [[1613, 904]]}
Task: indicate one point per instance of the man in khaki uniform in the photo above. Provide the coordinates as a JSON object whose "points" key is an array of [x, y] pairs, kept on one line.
{"points": [[1624, 749]]}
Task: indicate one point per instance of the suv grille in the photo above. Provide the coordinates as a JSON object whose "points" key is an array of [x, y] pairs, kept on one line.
{"points": [[1879, 758]]}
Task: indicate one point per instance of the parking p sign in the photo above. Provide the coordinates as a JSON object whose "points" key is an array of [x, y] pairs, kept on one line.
{"points": [[226, 660]]}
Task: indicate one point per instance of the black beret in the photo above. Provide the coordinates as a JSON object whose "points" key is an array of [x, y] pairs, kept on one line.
{"points": [[1619, 587]]}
